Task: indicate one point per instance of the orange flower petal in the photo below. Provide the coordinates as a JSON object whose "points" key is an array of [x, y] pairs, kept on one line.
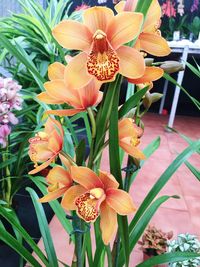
{"points": [[154, 44], [120, 6], [51, 125], [150, 74], [60, 175], [64, 112], [56, 89], [46, 98], [123, 28], [108, 222], [53, 195], [89, 94], [72, 35], [126, 128], [108, 180], [120, 201], [65, 161], [42, 166], [70, 195], [86, 177], [131, 150], [153, 17], [97, 18], [131, 62], [56, 71], [55, 142], [76, 75]]}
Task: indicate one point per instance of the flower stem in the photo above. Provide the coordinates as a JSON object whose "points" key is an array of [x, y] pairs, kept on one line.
{"points": [[109, 256], [78, 240], [7, 190], [93, 123], [116, 250]]}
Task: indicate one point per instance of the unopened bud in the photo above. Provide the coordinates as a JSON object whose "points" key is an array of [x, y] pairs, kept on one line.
{"points": [[149, 61], [172, 66]]}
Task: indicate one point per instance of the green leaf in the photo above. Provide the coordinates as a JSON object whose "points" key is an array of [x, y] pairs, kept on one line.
{"points": [[115, 167], [132, 102], [14, 244], [55, 205], [169, 78], [15, 52], [44, 229], [143, 6], [193, 69], [194, 170], [169, 257], [16, 225], [80, 152]]}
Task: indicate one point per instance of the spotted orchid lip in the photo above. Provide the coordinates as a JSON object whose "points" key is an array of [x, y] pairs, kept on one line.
{"points": [[88, 204], [103, 62]]}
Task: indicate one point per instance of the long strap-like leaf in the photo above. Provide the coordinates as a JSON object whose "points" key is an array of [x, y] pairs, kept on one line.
{"points": [[44, 229]]}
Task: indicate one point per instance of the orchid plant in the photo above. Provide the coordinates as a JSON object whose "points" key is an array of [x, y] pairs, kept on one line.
{"points": [[112, 48], [10, 101]]}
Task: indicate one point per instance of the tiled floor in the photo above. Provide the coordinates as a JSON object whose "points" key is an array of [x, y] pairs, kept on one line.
{"points": [[180, 215]]}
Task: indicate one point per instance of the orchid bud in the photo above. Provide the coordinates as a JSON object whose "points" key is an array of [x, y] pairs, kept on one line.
{"points": [[172, 66], [149, 61]]}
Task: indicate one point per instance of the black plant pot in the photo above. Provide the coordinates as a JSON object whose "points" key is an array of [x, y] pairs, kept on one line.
{"points": [[27, 217]]}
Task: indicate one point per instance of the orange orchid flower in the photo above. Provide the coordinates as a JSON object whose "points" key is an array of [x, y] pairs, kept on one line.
{"points": [[59, 180], [57, 92], [151, 74], [101, 38], [150, 39], [97, 196], [46, 145], [129, 137]]}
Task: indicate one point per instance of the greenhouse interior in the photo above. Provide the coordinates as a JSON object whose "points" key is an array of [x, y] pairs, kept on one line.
{"points": [[99, 133]]}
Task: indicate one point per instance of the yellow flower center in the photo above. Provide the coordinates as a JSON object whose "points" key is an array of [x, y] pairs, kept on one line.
{"points": [[53, 187], [134, 141], [88, 204], [103, 62]]}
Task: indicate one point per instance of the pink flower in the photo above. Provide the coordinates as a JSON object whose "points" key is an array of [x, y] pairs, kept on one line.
{"points": [[195, 6], [4, 132], [82, 7], [168, 9], [10, 100]]}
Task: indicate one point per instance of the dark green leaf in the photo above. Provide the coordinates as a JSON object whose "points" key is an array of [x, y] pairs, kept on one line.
{"points": [[16, 225], [14, 244], [80, 152], [44, 229], [132, 102], [169, 257]]}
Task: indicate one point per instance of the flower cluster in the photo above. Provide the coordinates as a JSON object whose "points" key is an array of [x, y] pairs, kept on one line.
{"points": [[101, 38], [10, 100], [195, 6]]}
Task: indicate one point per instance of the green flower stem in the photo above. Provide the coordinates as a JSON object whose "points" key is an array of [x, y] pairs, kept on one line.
{"points": [[92, 120], [109, 256], [7, 189], [116, 251], [77, 225]]}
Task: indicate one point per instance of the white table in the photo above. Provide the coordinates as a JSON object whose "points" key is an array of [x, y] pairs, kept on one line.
{"points": [[185, 48]]}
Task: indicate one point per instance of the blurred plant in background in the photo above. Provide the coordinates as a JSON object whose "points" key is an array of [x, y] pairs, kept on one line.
{"points": [[10, 100], [183, 243]]}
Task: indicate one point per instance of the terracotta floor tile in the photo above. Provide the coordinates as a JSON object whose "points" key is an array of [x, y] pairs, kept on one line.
{"points": [[193, 204]]}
